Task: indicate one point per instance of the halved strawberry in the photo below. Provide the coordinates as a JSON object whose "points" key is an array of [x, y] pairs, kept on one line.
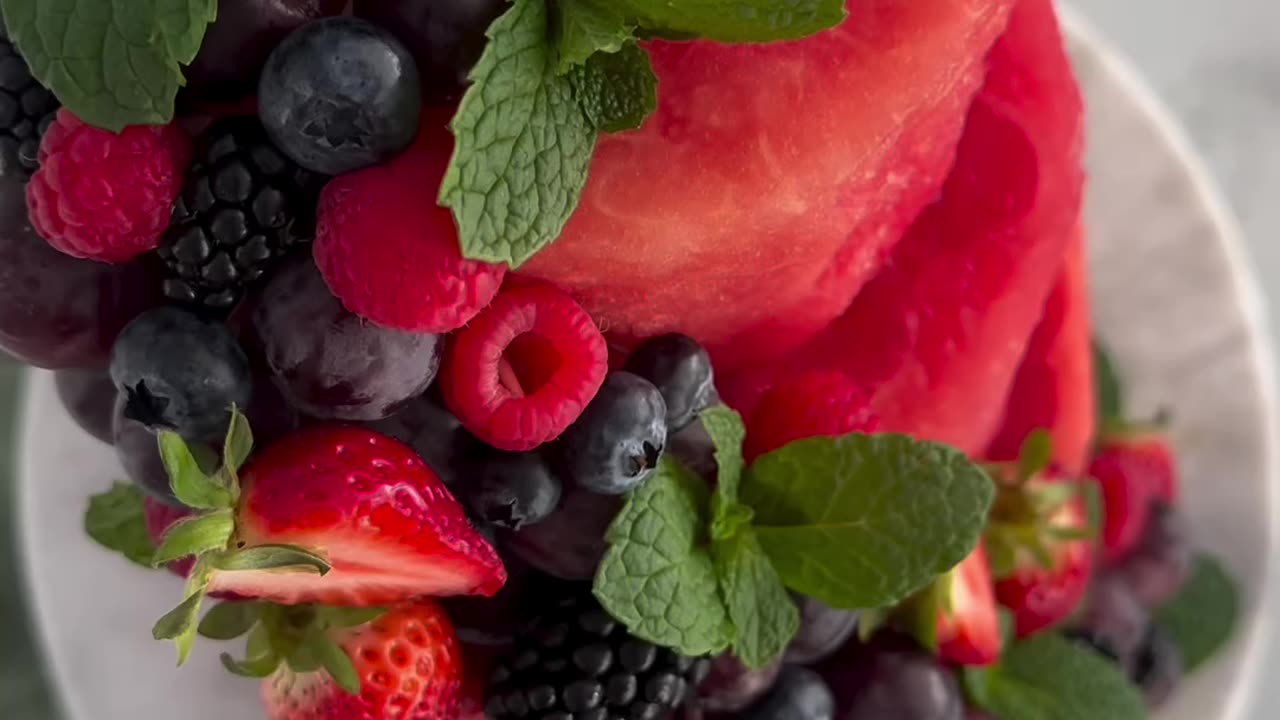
{"points": [[1133, 466], [1040, 596], [968, 624]]}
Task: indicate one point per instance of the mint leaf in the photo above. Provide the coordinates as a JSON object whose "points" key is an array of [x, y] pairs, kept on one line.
{"points": [[1049, 678], [1202, 617], [618, 91], [522, 144], [195, 536], [657, 577], [1107, 386], [863, 521], [111, 62], [190, 483], [585, 27], [726, 430], [117, 521], [760, 608], [738, 20]]}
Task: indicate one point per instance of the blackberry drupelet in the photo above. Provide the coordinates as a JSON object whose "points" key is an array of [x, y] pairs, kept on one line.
{"points": [[244, 205], [27, 109], [575, 662]]}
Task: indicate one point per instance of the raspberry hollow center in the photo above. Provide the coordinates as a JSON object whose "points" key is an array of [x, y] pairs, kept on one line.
{"points": [[528, 364]]}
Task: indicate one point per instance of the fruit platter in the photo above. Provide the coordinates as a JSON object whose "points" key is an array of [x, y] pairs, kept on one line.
{"points": [[634, 360]]}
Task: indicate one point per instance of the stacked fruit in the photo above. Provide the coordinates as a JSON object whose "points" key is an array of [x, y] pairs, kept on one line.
{"points": [[437, 465]]}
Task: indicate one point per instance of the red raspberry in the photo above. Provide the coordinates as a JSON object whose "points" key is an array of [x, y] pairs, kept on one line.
{"points": [[160, 517], [391, 254], [106, 196], [525, 368], [809, 405]]}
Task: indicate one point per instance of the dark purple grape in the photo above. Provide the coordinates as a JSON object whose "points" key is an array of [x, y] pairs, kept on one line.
{"points": [[891, 677], [435, 434], [1112, 621], [823, 630], [799, 694], [569, 543], [1158, 567], [692, 446], [731, 686], [90, 399], [1158, 667], [139, 453], [330, 363], [237, 44], [976, 714], [446, 37], [57, 311]]}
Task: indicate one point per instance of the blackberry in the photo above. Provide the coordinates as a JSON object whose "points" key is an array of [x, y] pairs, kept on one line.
{"points": [[575, 662], [244, 205], [27, 109]]}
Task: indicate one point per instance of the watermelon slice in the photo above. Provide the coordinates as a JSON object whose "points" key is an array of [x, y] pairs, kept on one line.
{"points": [[1052, 387], [937, 336], [773, 179]]}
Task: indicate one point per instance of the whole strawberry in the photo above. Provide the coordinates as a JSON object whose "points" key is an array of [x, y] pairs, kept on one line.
{"points": [[1134, 467]]}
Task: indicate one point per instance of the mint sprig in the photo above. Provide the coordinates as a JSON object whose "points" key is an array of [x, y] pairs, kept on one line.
{"points": [[762, 613], [587, 27], [1048, 678], [738, 20], [112, 63], [617, 90], [116, 520], [1202, 617]]}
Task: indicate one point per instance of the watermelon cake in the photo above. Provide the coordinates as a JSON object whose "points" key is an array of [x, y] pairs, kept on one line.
{"points": [[596, 359]]}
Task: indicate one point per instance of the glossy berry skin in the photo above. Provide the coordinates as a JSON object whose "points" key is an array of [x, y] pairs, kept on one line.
{"points": [[387, 524], [446, 38], [731, 687], [1156, 569], [1040, 598], [89, 397], [510, 490], [139, 455], [27, 109], [409, 663], [177, 371], [339, 95], [1112, 621], [616, 444], [525, 368], [1158, 667], [57, 311], [812, 404], [329, 363], [799, 694], [681, 370], [823, 630], [891, 677], [568, 543], [433, 432]]}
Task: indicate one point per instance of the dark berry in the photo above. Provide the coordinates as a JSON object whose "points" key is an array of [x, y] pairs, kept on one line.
{"points": [[731, 686], [823, 630], [569, 542], [1158, 667], [329, 363], [1160, 563], [575, 661], [617, 442], [177, 371], [494, 621], [140, 457], [243, 206], [446, 38], [90, 399], [1112, 621], [340, 94], [799, 694], [681, 370], [891, 677], [510, 490], [436, 435], [27, 109]]}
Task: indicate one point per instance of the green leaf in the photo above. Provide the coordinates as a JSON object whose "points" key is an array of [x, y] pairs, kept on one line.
{"points": [[730, 519], [586, 27], [117, 521], [738, 20], [302, 658], [522, 144], [657, 577], [763, 615], [238, 443], [1110, 394], [180, 623], [726, 430], [111, 62], [195, 536], [334, 660], [1202, 617], [1036, 453], [617, 91], [230, 619], [1049, 678], [272, 557], [344, 617], [254, 667], [864, 521], [190, 484]]}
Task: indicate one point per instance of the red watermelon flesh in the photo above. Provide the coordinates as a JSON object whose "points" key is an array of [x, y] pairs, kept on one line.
{"points": [[773, 180], [1053, 387], [937, 336]]}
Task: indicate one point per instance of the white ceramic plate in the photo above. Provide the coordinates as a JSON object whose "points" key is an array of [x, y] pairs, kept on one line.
{"points": [[1173, 299]]}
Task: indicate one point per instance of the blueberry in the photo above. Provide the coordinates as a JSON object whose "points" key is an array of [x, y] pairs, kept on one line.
{"points": [[177, 371], [681, 370], [511, 490], [823, 630], [892, 677], [616, 443], [731, 686], [1158, 667], [1157, 568], [340, 94], [799, 694], [1112, 621]]}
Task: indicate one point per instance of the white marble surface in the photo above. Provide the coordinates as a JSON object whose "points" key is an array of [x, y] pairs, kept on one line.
{"points": [[1217, 64]]}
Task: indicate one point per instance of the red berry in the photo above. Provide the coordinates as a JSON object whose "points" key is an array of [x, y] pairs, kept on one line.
{"points": [[969, 626], [390, 254], [1040, 597], [525, 368], [813, 404], [106, 196], [1133, 469]]}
